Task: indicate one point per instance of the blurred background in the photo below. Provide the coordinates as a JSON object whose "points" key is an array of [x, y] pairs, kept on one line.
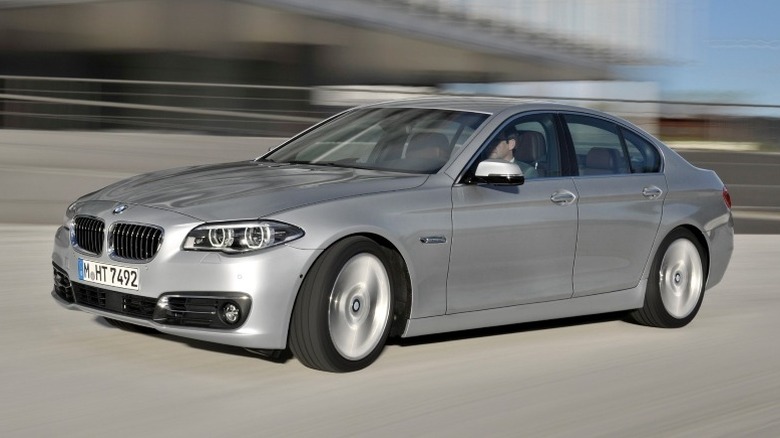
{"points": [[92, 91]]}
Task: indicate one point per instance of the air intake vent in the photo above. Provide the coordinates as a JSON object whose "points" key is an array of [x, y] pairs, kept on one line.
{"points": [[89, 235], [62, 286], [115, 302], [135, 242]]}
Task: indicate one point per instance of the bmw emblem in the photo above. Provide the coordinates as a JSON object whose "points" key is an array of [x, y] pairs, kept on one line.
{"points": [[120, 208]]}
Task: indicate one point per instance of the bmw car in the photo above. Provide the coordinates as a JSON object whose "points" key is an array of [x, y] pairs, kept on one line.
{"points": [[403, 219]]}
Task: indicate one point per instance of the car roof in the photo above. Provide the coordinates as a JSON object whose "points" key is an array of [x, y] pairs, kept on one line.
{"points": [[488, 105]]}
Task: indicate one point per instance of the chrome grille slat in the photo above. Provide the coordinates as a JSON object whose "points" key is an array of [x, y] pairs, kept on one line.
{"points": [[88, 238], [145, 240], [135, 242], [116, 237], [130, 240], [137, 238], [89, 234], [126, 241], [93, 240]]}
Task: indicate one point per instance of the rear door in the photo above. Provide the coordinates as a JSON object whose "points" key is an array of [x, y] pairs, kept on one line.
{"points": [[621, 192]]}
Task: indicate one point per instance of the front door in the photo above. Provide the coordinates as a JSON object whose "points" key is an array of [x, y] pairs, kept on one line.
{"points": [[515, 245], [511, 245]]}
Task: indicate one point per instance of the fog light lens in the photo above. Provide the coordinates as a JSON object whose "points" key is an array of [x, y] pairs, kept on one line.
{"points": [[231, 314]]}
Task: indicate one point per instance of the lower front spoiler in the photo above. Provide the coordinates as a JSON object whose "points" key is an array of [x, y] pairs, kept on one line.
{"points": [[244, 336]]}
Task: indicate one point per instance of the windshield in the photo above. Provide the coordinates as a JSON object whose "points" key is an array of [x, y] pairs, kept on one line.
{"points": [[395, 139]]}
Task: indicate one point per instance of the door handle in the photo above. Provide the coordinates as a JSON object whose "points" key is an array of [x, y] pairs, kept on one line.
{"points": [[563, 197], [652, 192]]}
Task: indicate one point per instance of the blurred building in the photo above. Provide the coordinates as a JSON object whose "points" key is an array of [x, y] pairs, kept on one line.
{"points": [[309, 43]]}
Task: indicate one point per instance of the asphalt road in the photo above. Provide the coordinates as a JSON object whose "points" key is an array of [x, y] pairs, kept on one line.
{"points": [[69, 374]]}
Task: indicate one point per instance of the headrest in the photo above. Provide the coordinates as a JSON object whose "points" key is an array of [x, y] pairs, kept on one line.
{"points": [[602, 158], [530, 147], [428, 145]]}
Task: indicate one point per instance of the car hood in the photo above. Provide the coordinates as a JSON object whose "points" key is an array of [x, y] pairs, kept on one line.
{"points": [[247, 190]]}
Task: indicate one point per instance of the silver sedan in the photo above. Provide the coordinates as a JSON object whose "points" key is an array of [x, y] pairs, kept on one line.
{"points": [[403, 219]]}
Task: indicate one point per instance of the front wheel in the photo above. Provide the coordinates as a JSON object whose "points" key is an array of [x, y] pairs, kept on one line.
{"points": [[675, 289], [343, 312]]}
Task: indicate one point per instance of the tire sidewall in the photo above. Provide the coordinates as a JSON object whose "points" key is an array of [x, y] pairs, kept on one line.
{"points": [[653, 300], [328, 267]]}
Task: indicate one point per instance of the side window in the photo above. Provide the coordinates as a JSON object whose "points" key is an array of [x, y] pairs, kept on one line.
{"points": [[643, 156], [597, 145], [531, 142]]}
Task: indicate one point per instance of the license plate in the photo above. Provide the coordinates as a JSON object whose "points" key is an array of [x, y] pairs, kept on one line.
{"points": [[109, 275]]}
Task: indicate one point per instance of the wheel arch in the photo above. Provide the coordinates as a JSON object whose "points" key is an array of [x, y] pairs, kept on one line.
{"points": [[703, 242], [403, 301], [701, 239], [654, 311]]}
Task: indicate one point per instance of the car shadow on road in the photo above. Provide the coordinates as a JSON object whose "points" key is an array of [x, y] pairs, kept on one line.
{"points": [[282, 356], [273, 356], [507, 329]]}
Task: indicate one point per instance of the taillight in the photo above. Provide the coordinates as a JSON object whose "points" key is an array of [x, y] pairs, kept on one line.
{"points": [[726, 197]]}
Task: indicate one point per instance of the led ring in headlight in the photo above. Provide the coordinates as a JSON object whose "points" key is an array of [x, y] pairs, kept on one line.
{"points": [[239, 237], [220, 237], [260, 236]]}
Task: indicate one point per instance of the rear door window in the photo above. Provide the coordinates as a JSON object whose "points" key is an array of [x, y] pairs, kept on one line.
{"points": [[597, 145], [643, 156]]}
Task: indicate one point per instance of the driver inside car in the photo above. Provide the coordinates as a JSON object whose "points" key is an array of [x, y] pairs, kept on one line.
{"points": [[503, 148]]}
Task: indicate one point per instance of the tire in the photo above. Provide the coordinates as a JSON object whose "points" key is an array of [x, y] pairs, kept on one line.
{"points": [[675, 289], [131, 327], [344, 310]]}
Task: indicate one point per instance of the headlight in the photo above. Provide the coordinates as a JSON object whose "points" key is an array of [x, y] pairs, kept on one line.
{"points": [[240, 237]]}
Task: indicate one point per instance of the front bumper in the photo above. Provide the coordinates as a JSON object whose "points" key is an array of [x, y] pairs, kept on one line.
{"points": [[265, 282], [213, 310]]}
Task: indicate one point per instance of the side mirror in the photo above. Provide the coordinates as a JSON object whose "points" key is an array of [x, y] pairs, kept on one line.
{"points": [[499, 172]]}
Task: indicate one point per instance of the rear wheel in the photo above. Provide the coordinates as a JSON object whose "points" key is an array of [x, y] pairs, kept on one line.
{"points": [[675, 289], [343, 312]]}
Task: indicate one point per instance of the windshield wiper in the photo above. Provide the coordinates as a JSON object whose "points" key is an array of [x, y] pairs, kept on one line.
{"points": [[343, 164], [316, 163]]}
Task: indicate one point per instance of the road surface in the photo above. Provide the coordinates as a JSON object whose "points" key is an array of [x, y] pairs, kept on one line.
{"points": [[69, 374]]}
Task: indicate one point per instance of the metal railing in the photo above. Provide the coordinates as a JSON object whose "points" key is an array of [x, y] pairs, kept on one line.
{"points": [[101, 104], [54, 103]]}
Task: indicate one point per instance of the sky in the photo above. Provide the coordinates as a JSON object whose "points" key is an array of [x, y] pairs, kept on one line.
{"points": [[732, 54]]}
